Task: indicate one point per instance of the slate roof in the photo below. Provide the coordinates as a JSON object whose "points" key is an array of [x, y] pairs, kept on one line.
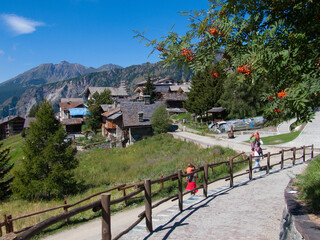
{"points": [[130, 112], [115, 92], [174, 96], [79, 100], [158, 80], [9, 118], [162, 89], [216, 110], [183, 87], [111, 112], [72, 121], [68, 105], [27, 122]]}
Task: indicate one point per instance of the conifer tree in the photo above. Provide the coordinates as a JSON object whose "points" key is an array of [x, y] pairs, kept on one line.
{"points": [[149, 89], [94, 116], [5, 167], [47, 169]]}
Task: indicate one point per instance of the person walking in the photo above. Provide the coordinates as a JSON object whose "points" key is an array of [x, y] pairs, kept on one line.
{"points": [[191, 179], [252, 141], [257, 153]]}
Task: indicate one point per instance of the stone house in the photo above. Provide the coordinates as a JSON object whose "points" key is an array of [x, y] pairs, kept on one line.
{"points": [[128, 123]]}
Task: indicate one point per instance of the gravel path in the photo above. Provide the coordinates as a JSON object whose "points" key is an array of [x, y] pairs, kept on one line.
{"points": [[250, 210]]}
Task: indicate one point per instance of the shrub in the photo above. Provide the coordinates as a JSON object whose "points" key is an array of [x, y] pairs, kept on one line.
{"points": [[309, 184], [160, 120]]}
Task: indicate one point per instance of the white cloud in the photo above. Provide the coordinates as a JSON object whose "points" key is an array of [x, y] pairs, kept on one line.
{"points": [[20, 25], [1, 52], [10, 59]]}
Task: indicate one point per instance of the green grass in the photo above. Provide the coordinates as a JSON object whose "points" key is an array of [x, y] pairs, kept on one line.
{"points": [[100, 169], [309, 185], [281, 138], [15, 144]]}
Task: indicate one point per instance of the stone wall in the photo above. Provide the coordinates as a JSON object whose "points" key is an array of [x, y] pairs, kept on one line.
{"points": [[287, 228]]}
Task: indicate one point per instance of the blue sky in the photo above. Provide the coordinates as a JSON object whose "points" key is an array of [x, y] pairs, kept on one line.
{"points": [[89, 32]]}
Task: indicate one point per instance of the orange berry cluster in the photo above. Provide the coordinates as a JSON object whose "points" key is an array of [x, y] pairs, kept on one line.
{"points": [[244, 69], [187, 53], [277, 110], [213, 31], [159, 48], [281, 94], [214, 74]]}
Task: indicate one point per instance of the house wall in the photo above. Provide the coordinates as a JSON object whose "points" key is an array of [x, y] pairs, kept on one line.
{"points": [[138, 133]]}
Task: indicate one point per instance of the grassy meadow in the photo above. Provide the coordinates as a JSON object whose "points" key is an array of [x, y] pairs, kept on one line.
{"points": [[100, 169]]}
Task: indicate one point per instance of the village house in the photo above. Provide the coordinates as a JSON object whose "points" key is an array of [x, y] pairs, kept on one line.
{"points": [[72, 112], [117, 94], [11, 125], [129, 122]]}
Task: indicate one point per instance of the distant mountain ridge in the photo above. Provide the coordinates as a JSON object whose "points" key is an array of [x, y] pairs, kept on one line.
{"points": [[32, 92]]}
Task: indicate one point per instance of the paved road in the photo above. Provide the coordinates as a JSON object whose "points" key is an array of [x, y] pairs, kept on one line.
{"points": [[251, 210]]}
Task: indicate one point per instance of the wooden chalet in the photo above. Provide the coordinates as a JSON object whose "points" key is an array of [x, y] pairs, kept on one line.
{"points": [[116, 93], [217, 113], [11, 125]]}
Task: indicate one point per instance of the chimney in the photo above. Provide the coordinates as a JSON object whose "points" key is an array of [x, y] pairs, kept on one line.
{"points": [[147, 99], [140, 116]]}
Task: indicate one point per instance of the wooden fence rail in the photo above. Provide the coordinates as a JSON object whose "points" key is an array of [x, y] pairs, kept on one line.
{"points": [[105, 202]]}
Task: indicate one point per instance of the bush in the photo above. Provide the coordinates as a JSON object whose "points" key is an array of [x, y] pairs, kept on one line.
{"points": [[160, 120], [309, 185]]}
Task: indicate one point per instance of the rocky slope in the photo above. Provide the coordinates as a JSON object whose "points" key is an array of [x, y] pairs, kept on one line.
{"points": [[76, 87]]}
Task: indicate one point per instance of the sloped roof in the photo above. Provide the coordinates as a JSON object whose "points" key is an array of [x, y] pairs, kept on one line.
{"points": [[10, 118], [78, 111], [79, 100], [216, 110], [72, 121], [28, 121], [130, 112], [174, 96], [182, 87], [115, 92], [67, 105], [111, 112]]}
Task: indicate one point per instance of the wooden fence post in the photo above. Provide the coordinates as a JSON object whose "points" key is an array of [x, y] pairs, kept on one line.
{"points": [[304, 153], [282, 157], [161, 185], [250, 167], [106, 216], [148, 204], [294, 156], [312, 151], [180, 190], [65, 209], [268, 162], [125, 202], [231, 171], [205, 180]]}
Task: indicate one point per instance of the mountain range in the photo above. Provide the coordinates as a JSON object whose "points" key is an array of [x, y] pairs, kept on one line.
{"points": [[66, 80]]}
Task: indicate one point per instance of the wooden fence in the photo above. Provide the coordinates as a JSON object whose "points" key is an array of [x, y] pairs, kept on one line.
{"points": [[105, 202]]}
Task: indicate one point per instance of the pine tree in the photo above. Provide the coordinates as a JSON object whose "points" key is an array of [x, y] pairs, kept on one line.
{"points": [[47, 169], [149, 89], [94, 117], [160, 120], [5, 167]]}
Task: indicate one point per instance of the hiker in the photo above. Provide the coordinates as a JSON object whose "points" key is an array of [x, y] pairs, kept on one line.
{"points": [[191, 179], [252, 141], [257, 135], [257, 153]]}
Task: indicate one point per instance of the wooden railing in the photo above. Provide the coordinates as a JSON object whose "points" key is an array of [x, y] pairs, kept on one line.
{"points": [[105, 202]]}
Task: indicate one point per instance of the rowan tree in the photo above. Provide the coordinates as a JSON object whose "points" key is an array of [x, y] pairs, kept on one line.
{"points": [[49, 159], [93, 118], [268, 43], [5, 177]]}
